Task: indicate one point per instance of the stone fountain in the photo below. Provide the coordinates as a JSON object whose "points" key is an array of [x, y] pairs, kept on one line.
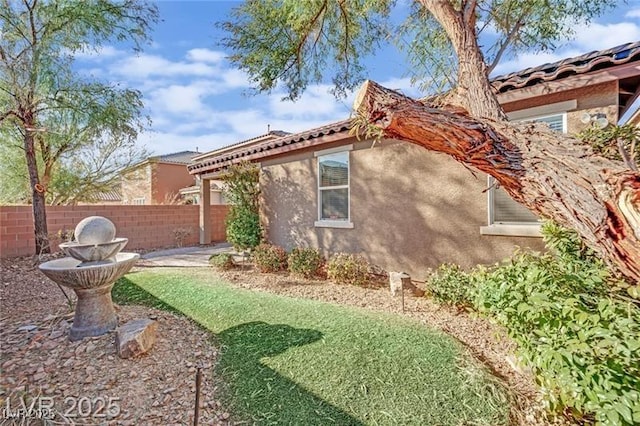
{"points": [[94, 266]]}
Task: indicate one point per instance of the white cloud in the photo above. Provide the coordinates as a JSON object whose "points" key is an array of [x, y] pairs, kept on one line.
{"points": [[603, 36], [633, 13], [158, 142], [402, 85], [235, 78], [205, 55], [314, 103], [144, 66], [181, 99], [98, 54]]}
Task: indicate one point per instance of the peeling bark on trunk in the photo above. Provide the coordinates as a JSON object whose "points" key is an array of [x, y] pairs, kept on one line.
{"points": [[550, 173]]}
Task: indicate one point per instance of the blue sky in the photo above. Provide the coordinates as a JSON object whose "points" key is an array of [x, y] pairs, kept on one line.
{"points": [[197, 100]]}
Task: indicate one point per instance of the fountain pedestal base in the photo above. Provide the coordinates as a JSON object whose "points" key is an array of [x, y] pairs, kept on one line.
{"points": [[95, 314], [92, 284]]}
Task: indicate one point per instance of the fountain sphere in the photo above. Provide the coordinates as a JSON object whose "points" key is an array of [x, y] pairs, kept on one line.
{"points": [[95, 230]]}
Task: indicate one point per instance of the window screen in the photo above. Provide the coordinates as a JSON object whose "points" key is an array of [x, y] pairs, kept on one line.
{"points": [[333, 186]]}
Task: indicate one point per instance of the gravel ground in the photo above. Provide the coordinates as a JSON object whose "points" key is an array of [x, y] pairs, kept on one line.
{"points": [[158, 389], [86, 382]]}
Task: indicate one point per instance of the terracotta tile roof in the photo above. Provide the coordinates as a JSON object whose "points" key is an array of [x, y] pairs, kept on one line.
{"points": [[588, 62], [217, 162]]}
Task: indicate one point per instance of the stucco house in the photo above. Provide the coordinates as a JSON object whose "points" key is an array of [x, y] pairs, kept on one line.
{"points": [[158, 179], [408, 209]]}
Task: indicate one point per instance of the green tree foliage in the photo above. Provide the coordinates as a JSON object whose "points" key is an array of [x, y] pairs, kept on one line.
{"points": [[242, 190], [55, 117], [615, 142], [297, 42]]}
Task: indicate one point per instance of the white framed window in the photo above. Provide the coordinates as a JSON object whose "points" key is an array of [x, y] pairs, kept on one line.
{"points": [[138, 201], [506, 216], [333, 189]]}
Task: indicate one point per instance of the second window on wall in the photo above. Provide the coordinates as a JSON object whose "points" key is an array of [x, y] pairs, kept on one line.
{"points": [[502, 208], [333, 187]]}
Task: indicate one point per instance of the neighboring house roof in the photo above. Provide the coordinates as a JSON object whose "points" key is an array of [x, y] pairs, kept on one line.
{"points": [[196, 189], [181, 157], [288, 142], [273, 134], [621, 57], [109, 196]]}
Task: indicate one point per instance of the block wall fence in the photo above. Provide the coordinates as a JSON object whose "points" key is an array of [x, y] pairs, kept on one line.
{"points": [[147, 227]]}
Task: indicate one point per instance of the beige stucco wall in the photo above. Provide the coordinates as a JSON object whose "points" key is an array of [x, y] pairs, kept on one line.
{"points": [[136, 184], [599, 98], [411, 209]]}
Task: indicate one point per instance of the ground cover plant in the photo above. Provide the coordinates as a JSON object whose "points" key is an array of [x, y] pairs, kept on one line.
{"points": [[574, 323], [347, 268], [306, 262], [269, 258], [291, 361], [222, 261]]}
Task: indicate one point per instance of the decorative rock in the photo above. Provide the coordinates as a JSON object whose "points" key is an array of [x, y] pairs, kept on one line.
{"points": [[95, 230], [398, 281], [136, 337]]}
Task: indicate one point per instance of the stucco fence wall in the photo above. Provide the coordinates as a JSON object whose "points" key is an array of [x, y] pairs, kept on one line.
{"points": [[147, 227]]}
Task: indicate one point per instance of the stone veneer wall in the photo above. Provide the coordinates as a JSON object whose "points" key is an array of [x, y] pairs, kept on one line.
{"points": [[147, 227]]}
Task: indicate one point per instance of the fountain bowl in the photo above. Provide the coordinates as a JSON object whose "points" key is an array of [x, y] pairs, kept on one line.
{"points": [[75, 274], [89, 253]]}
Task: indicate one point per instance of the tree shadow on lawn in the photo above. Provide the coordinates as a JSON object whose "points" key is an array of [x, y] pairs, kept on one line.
{"points": [[260, 394], [254, 391]]}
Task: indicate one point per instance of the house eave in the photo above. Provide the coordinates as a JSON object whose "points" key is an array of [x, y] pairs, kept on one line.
{"points": [[282, 145]]}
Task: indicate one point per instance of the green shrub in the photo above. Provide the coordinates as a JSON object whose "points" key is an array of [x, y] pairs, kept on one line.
{"points": [[449, 284], [243, 228], [270, 258], [583, 345], [222, 261], [242, 190], [581, 341], [347, 268], [306, 262]]}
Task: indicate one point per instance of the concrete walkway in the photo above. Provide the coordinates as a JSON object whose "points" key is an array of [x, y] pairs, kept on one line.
{"points": [[185, 256]]}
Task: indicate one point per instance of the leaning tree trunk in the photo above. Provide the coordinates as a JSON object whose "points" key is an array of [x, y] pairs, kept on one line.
{"points": [[550, 173]]}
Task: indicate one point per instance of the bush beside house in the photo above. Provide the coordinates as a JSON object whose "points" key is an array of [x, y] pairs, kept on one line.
{"points": [[580, 337]]}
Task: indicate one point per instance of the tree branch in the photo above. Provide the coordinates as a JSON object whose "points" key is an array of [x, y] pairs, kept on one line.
{"points": [[469, 12], [506, 42], [10, 113]]}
